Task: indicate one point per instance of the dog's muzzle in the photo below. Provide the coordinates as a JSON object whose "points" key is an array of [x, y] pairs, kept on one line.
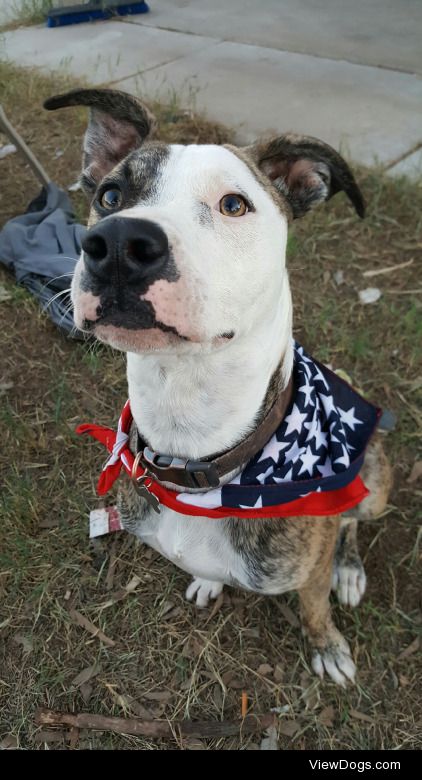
{"points": [[134, 249]]}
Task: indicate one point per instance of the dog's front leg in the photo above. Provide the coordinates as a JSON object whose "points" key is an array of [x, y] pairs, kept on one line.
{"points": [[349, 578], [330, 650]]}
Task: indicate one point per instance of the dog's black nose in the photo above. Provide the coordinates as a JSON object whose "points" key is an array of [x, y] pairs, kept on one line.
{"points": [[135, 248]]}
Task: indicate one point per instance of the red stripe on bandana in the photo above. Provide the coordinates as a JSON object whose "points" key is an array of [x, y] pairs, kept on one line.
{"points": [[330, 502]]}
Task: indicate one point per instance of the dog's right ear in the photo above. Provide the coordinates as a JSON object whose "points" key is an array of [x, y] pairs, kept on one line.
{"points": [[118, 124]]}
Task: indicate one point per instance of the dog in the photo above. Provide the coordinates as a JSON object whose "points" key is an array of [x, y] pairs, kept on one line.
{"points": [[183, 268]]}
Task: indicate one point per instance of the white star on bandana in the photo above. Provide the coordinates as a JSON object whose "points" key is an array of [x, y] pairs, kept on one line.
{"points": [[349, 418]]}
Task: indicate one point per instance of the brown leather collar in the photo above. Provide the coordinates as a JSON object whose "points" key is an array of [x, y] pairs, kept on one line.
{"points": [[208, 473]]}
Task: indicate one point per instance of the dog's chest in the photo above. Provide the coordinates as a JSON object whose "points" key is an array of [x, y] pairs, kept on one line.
{"points": [[198, 545]]}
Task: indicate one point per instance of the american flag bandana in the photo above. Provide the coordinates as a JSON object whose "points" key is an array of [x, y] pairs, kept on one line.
{"points": [[310, 466]]}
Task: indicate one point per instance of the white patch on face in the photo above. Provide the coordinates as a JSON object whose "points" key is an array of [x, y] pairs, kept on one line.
{"points": [[231, 269]]}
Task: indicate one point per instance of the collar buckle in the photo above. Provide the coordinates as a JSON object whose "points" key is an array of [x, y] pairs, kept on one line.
{"points": [[197, 473]]}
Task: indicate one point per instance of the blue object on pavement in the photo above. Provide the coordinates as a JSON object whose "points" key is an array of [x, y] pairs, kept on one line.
{"points": [[91, 12]]}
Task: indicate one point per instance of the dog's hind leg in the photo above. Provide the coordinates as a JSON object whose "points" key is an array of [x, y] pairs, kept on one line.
{"points": [[349, 578], [330, 651], [201, 591]]}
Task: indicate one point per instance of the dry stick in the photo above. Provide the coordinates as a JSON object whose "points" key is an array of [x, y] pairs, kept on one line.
{"points": [[14, 136], [387, 269], [155, 728]]}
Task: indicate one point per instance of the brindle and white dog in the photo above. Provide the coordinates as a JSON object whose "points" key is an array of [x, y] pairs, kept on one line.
{"points": [[184, 269]]}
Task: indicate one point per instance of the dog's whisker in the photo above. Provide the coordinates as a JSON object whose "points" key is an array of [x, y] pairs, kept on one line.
{"points": [[67, 311], [54, 297], [69, 274]]}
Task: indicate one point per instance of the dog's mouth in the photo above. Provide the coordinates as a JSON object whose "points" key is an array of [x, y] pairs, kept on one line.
{"points": [[133, 330], [127, 320]]}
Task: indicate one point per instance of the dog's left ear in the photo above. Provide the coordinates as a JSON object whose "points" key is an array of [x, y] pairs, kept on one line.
{"points": [[306, 171]]}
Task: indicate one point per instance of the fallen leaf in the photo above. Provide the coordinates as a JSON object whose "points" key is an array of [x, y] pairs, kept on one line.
{"points": [[138, 709], [6, 150], [217, 606], [86, 674], [112, 563], [218, 696], [184, 686], [278, 673], [289, 727], [192, 648], [73, 737], [25, 641], [51, 736], [361, 716], [270, 742], [5, 386], [82, 621], [86, 692], [192, 743], [9, 743], [403, 680], [395, 679], [416, 472], [281, 710], [412, 648], [5, 295], [326, 716], [288, 614], [265, 669], [166, 607], [157, 695], [311, 696], [236, 684], [48, 522], [133, 583], [252, 632], [370, 295]]}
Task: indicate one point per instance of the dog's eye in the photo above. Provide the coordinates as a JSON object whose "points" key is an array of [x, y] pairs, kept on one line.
{"points": [[233, 206], [111, 199]]}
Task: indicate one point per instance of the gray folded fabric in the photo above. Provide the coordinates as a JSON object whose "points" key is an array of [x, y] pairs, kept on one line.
{"points": [[42, 247]]}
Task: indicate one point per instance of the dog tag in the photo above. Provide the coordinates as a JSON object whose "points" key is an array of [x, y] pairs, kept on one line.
{"points": [[143, 491]]}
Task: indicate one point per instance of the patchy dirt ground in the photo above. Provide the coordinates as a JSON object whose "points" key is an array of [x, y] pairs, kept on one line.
{"points": [[168, 660]]}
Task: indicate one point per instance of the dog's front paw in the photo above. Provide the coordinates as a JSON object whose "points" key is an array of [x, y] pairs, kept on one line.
{"points": [[349, 582], [335, 659], [201, 591]]}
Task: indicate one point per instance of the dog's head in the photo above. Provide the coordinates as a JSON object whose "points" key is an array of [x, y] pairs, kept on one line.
{"points": [[186, 244]]}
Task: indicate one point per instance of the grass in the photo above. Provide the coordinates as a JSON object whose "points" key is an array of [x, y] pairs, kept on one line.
{"points": [[169, 660], [27, 12]]}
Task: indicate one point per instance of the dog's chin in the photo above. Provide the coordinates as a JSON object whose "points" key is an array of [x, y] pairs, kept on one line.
{"points": [[139, 341], [145, 340]]}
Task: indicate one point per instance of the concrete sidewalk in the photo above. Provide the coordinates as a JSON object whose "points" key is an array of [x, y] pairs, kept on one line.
{"points": [[350, 74]]}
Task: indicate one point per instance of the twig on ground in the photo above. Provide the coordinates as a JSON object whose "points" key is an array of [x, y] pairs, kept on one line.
{"points": [[155, 728], [388, 268]]}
